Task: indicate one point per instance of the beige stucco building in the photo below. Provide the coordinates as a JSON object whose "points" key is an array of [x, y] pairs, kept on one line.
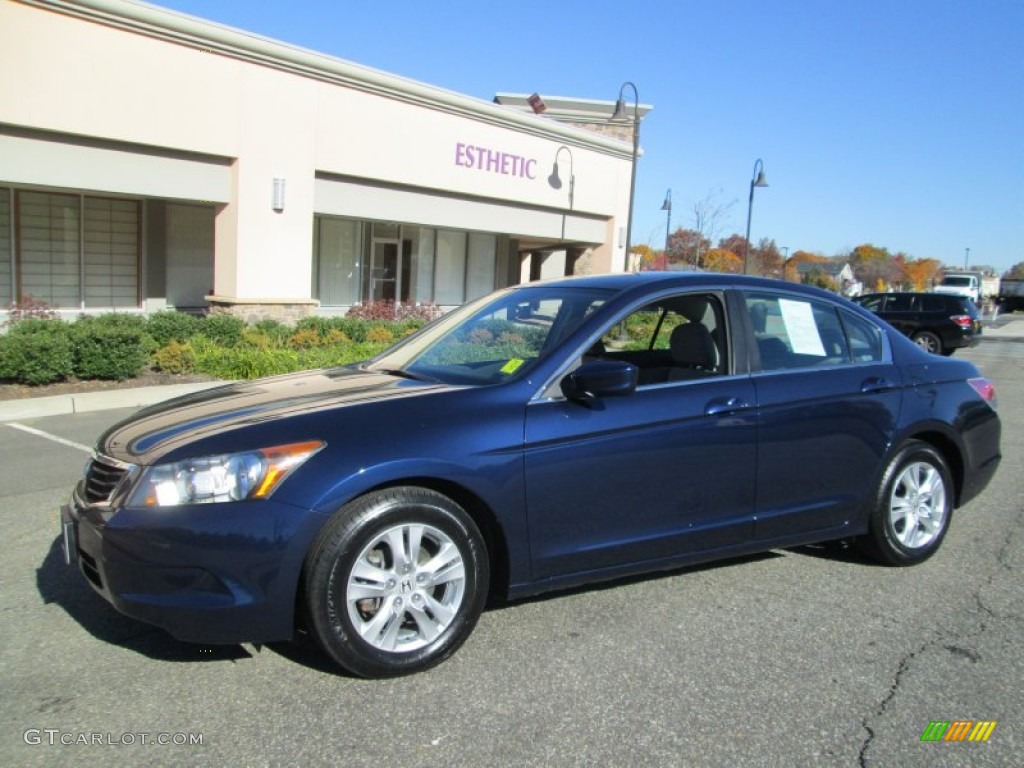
{"points": [[152, 159]]}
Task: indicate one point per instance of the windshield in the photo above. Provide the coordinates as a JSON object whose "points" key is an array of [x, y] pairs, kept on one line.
{"points": [[494, 339], [959, 282]]}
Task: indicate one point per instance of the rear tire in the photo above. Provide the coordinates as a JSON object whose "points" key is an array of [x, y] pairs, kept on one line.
{"points": [[912, 508], [395, 582], [928, 341]]}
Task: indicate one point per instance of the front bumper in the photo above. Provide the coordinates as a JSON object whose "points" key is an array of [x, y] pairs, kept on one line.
{"points": [[206, 573]]}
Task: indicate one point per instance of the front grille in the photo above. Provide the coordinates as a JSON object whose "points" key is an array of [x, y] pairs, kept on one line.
{"points": [[102, 477]]}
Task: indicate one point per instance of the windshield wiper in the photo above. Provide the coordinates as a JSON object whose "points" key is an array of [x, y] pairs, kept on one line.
{"points": [[403, 374]]}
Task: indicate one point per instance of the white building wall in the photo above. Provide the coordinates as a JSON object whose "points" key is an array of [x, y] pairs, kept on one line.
{"points": [[184, 109]]}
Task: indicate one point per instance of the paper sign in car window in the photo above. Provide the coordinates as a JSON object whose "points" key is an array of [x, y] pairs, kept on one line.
{"points": [[511, 366], [803, 331]]}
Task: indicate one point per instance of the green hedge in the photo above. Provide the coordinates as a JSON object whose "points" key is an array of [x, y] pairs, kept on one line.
{"points": [[36, 358], [119, 346], [108, 351]]}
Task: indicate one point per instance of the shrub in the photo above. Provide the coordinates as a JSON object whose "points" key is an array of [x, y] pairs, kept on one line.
{"points": [[175, 358], [306, 338], [36, 358], [225, 363], [168, 326], [29, 307], [107, 351], [380, 334], [279, 333], [34, 325], [336, 336], [254, 339], [389, 310], [225, 330]]}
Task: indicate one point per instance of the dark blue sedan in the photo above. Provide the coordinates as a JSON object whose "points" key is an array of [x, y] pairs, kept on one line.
{"points": [[545, 436]]}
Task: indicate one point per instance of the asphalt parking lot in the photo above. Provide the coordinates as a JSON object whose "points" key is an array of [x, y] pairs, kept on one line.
{"points": [[810, 656]]}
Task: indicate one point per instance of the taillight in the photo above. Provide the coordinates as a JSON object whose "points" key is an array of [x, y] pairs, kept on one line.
{"points": [[985, 388], [964, 321]]}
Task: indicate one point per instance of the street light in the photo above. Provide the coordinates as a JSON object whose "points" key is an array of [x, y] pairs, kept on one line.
{"points": [[620, 114], [667, 207], [756, 180]]}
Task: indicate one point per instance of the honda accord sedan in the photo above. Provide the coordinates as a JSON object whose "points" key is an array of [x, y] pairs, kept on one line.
{"points": [[545, 436]]}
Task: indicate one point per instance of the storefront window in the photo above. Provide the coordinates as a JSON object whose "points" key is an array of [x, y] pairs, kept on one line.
{"points": [[337, 272], [450, 269], [421, 272], [73, 251], [49, 229], [357, 262], [6, 253], [111, 252], [480, 266]]}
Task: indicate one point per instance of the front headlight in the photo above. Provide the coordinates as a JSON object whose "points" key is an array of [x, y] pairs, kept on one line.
{"points": [[228, 477]]}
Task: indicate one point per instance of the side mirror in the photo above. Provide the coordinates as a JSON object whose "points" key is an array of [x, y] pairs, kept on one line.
{"points": [[600, 378]]}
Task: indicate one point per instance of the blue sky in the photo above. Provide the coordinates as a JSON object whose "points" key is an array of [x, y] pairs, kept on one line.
{"points": [[897, 123]]}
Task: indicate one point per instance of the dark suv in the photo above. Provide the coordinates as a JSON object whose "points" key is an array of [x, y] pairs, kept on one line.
{"points": [[938, 322]]}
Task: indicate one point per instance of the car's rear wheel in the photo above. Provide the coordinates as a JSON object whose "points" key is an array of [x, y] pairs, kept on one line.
{"points": [[396, 581], [928, 341], [912, 507]]}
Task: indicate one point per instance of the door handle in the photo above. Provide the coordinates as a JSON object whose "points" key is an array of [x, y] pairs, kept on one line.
{"points": [[876, 384], [721, 406]]}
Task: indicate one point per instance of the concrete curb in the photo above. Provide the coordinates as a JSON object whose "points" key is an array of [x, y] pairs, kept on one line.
{"points": [[59, 405]]}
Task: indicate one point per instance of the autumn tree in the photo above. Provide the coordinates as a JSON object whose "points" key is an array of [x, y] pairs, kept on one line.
{"points": [[874, 266], [722, 260], [765, 258], [709, 216], [1016, 272], [791, 266], [920, 273], [686, 245], [733, 244]]}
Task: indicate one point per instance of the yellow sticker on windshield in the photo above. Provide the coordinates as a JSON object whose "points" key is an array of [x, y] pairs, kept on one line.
{"points": [[512, 365]]}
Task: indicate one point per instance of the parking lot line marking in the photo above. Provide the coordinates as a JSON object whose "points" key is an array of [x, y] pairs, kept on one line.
{"points": [[48, 436]]}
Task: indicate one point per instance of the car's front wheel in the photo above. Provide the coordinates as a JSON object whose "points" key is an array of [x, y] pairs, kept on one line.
{"points": [[928, 341], [912, 507], [396, 581]]}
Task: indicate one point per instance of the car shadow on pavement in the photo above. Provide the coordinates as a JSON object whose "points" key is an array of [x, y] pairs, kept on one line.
{"points": [[640, 578], [840, 551], [65, 586]]}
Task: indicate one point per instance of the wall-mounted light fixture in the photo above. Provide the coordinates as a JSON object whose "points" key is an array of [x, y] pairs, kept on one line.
{"points": [[555, 180], [277, 199]]}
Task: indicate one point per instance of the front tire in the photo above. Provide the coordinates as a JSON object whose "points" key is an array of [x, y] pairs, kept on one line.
{"points": [[395, 582], [912, 507]]}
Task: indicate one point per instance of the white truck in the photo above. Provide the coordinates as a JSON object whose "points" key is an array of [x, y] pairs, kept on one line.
{"points": [[961, 284]]}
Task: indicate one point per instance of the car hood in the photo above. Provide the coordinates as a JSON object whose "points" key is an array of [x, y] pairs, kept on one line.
{"points": [[159, 429]]}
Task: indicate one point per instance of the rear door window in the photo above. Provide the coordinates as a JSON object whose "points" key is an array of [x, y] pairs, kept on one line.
{"points": [[795, 332]]}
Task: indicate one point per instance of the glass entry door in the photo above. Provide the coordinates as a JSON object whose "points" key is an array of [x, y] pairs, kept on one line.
{"points": [[385, 271]]}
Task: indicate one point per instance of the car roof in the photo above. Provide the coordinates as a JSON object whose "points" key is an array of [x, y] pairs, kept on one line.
{"points": [[627, 281]]}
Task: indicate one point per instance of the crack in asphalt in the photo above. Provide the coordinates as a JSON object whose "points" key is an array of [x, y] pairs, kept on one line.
{"points": [[1003, 565], [884, 704]]}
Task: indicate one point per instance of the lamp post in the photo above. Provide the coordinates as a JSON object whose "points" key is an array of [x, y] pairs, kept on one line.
{"points": [[756, 180], [620, 114], [667, 207]]}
